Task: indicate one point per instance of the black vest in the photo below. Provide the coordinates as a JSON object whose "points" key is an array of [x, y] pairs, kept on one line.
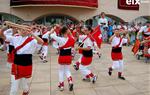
{"points": [[88, 53], [11, 48], [23, 59], [65, 52], [45, 40], [117, 50]]}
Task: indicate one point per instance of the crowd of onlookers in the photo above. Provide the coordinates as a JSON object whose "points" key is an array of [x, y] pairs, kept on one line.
{"points": [[107, 28], [132, 30]]}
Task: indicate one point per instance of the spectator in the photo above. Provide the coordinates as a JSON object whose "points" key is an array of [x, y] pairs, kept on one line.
{"points": [[110, 30], [103, 22]]}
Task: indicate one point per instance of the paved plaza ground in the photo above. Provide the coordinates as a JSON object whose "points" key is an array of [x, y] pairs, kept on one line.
{"points": [[45, 76]]}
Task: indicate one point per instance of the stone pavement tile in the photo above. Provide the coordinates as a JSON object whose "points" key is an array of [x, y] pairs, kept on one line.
{"points": [[65, 92], [43, 67], [127, 89], [40, 89], [108, 90], [41, 72], [85, 91], [40, 77], [139, 69], [4, 78], [4, 82], [81, 84], [5, 90], [143, 86], [127, 72], [138, 78], [147, 93], [107, 77], [111, 83]]}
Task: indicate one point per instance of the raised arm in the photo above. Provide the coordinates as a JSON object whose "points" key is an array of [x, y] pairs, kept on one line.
{"points": [[111, 38], [128, 38], [2, 33], [25, 27], [39, 40]]}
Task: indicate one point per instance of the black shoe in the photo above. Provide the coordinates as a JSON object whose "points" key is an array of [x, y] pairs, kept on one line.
{"points": [[75, 67], [45, 61], [94, 79], [70, 87], [122, 78], [110, 73], [25, 93], [86, 79], [99, 55], [41, 57], [61, 88]]}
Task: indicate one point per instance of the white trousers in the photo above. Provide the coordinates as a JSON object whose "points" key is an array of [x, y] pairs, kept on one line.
{"points": [[23, 82], [64, 70], [79, 60], [73, 51], [39, 47], [44, 51], [118, 65], [84, 70]]}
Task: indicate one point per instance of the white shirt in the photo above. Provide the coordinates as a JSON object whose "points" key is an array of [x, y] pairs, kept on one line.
{"points": [[8, 32], [37, 33], [114, 27], [88, 43], [29, 48], [46, 35], [137, 27], [61, 40], [81, 38], [103, 20], [116, 40], [145, 30], [120, 27]]}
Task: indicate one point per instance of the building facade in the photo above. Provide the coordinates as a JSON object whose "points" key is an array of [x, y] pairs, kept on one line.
{"points": [[54, 12]]}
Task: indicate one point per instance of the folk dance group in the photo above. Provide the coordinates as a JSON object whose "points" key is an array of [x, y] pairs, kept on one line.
{"points": [[22, 43]]}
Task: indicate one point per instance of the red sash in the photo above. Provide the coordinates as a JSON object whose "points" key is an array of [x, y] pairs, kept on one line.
{"points": [[66, 60], [118, 44], [117, 56], [86, 60], [69, 43], [80, 51]]}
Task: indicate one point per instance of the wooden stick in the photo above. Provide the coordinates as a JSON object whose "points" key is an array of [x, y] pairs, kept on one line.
{"points": [[17, 25]]}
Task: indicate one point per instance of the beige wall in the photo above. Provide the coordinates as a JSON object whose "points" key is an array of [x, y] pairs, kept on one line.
{"points": [[108, 6]]}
